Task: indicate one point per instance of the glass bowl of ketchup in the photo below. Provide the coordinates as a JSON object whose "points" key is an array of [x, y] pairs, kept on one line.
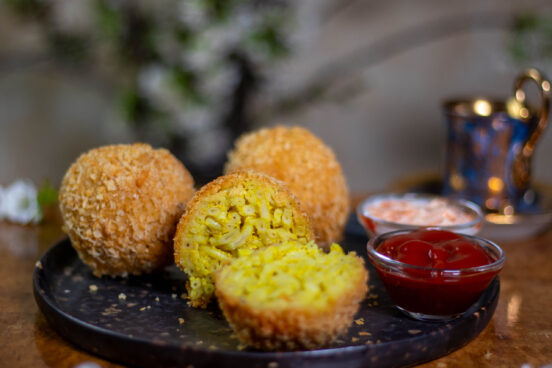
{"points": [[433, 274], [382, 213]]}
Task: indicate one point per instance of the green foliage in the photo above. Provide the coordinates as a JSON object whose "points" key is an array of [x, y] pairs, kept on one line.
{"points": [[531, 37], [183, 35], [219, 9], [69, 47], [526, 22], [28, 7], [176, 64], [130, 31], [185, 82], [269, 38], [47, 196], [133, 107], [110, 20]]}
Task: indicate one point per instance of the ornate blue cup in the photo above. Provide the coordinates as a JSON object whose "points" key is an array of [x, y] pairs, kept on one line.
{"points": [[490, 145]]}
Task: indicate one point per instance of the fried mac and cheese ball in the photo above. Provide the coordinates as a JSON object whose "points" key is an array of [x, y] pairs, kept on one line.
{"points": [[120, 205], [308, 168], [230, 217], [291, 296]]}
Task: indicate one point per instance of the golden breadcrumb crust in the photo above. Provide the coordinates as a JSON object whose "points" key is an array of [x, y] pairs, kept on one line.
{"points": [[292, 328], [120, 205], [184, 245], [307, 166]]}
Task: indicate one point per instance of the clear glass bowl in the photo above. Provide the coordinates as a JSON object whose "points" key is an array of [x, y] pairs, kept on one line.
{"points": [[375, 226], [434, 294]]}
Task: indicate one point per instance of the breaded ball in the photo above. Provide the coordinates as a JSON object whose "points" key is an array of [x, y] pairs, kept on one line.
{"points": [[230, 217], [308, 168], [291, 296], [120, 205]]}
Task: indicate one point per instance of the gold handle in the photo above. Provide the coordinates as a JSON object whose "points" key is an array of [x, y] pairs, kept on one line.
{"points": [[522, 164]]}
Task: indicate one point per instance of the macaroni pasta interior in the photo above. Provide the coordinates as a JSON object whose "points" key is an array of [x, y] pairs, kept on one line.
{"points": [[229, 218], [291, 276], [291, 296]]}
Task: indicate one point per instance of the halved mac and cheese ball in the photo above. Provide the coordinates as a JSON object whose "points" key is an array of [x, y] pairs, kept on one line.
{"points": [[120, 205], [291, 296], [309, 169], [230, 217]]}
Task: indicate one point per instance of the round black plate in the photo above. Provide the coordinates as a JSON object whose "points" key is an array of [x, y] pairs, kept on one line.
{"points": [[142, 321]]}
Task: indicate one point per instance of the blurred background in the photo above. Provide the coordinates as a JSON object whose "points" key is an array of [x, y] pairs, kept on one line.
{"points": [[367, 77]]}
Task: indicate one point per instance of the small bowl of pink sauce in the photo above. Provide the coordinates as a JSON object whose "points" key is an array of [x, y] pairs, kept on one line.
{"points": [[383, 213]]}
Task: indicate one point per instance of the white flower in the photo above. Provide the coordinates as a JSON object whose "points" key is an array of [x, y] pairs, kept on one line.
{"points": [[154, 83], [192, 13], [196, 121], [19, 203], [151, 80]]}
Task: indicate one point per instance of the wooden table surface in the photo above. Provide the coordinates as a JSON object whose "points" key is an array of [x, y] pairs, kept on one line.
{"points": [[519, 333]]}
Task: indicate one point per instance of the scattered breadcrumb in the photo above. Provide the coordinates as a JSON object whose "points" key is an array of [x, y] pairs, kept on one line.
{"points": [[241, 347], [38, 265], [359, 321], [181, 320], [414, 332], [157, 299], [110, 311], [92, 288], [364, 333], [354, 339], [142, 309], [122, 296], [174, 296], [77, 278]]}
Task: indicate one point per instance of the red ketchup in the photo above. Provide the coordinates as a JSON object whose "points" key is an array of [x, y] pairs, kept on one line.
{"points": [[439, 288]]}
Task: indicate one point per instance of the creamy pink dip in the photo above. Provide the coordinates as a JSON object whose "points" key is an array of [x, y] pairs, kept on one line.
{"points": [[436, 212]]}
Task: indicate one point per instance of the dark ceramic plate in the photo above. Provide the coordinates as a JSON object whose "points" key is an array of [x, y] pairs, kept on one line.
{"points": [[142, 321]]}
